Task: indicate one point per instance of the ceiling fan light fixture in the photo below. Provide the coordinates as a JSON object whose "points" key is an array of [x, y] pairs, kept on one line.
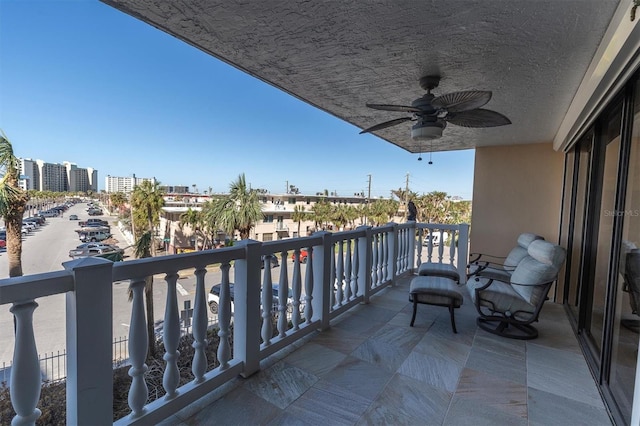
{"points": [[421, 132]]}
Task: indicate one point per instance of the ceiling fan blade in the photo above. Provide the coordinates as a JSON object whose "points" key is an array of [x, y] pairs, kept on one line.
{"points": [[386, 124], [462, 101], [478, 118], [398, 108]]}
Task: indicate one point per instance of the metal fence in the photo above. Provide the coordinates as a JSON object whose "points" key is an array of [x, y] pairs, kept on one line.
{"points": [[53, 365]]}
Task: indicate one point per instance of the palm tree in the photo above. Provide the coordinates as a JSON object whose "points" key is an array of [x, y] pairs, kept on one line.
{"points": [[240, 210], [117, 199], [13, 201], [298, 215], [321, 212], [193, 219], [434, 206], [147, 202]]}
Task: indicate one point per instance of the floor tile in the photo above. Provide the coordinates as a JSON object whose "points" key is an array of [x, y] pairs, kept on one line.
{"points": [[563, 373], [546, 409], [281, 384], [325, 404], [359, 377], [315, 359], [406, 401]]}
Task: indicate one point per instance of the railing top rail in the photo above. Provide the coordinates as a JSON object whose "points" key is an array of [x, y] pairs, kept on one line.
{"points": [[140, 268], [290, 244], [346, 235], [439, 226], [29, 287]]}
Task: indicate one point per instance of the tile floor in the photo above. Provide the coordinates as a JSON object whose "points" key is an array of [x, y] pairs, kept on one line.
{"points": [[372, 368]]}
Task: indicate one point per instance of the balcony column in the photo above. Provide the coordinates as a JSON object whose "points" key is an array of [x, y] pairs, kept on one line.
{"points": [[322, 282], [89, 319], [365, 263], [246, 316], [393, 252]]}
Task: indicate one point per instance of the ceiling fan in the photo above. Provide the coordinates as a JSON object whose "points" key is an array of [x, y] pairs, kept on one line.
{"points": [[432, 113]]}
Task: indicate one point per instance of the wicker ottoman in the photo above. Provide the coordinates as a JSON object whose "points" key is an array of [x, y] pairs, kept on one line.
{"points": [[438, 291]]}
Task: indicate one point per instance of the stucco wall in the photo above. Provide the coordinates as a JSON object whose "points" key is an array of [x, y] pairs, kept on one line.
{"points": [[517, 188]]}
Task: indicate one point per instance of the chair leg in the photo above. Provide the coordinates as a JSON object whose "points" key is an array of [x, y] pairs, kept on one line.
{"points": [[415, 308], [453, 319]]}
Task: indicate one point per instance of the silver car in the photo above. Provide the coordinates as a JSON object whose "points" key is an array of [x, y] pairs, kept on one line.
{"points": [[94, 249]]}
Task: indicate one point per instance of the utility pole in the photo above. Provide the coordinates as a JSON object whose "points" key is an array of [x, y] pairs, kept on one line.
{"points": [[368, 198], [406, 191], [286, 188]]}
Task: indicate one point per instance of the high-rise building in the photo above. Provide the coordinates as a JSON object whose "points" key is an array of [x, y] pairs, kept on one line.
{"points": [[81, 179], [123, 184], [29, 174], [66, 177]]}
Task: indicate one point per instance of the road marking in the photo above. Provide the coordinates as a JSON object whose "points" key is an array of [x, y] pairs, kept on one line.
{"points": [[181, 290]]}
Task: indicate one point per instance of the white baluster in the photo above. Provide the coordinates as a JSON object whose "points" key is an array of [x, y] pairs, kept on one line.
{"points": [[386, 273], [296, 289], [25, 382], [452, 248], [224, 318], [374, 261], [171, 338], [308, 287], [347, 273], [200, 320], [339, 274], [267, 301], [138, 345], [356, 267], [283, 297], [380, 257], [419, 248], [332, 279], [402, 250], [430, 247], [441, 247]]}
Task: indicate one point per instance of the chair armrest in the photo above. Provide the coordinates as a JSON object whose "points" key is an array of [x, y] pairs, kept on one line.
{"points": [[479, 256], [483, 269], [533, 285]]}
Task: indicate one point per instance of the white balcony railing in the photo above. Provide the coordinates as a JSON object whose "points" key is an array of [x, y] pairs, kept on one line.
{"points": [[341, 270]]}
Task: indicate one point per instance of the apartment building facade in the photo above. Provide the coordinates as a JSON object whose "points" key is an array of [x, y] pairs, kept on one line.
{"points": [[40, 175], [123, 184]]}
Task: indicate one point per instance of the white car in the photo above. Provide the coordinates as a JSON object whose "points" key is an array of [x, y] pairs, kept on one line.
{"points": [[213, 298], [435, 237]]}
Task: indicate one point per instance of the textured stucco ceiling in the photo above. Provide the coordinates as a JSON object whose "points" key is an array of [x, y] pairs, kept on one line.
{"points": [[339, 55]]}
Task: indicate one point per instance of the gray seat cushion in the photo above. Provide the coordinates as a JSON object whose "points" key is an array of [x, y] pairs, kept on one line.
{"points": [[439, 270], [435, 291]]}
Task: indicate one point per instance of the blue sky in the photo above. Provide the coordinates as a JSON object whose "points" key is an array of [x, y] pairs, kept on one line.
{"points": [[83, 82]]}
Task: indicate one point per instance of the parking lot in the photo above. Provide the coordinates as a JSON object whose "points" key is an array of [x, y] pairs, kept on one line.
{"points": [[46, 249]]}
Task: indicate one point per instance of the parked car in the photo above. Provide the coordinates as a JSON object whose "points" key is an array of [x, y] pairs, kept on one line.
{"points": [[274, 262], [303, 255], [435, 237], [31, 226], [73, 217], [94, 249], [95, 212], [213, 299], [3, 243], [98, 235]]}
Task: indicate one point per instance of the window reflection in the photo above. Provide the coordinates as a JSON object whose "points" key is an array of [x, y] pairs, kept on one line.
{"points": [[627, 316]]}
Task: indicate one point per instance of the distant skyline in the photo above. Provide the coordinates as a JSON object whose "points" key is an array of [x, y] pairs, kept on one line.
{"points": [[85, 83]]}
